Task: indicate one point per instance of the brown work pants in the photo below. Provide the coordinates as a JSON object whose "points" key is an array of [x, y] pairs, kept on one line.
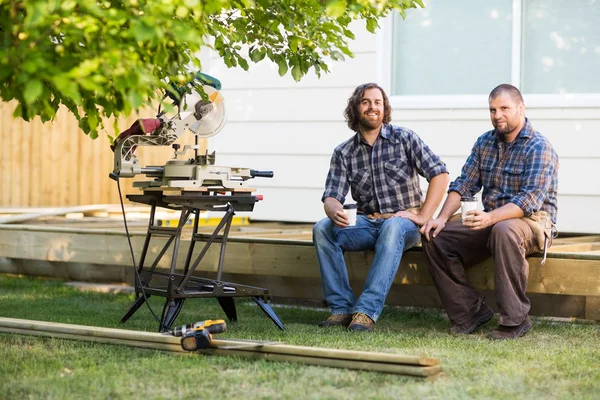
{"points": [[457, 247]]}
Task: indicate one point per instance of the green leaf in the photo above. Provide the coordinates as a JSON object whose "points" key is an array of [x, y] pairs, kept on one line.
{"points": [[135, 99], [243, 63], [372, 25], [68, 88], [297, 73], [293, 42], [142, 31], [283, 67], [335, 8], [261, 55], [33, 89]]}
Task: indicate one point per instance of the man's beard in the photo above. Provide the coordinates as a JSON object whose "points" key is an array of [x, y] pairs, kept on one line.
{"points": [[508, 128], [370, 124]]}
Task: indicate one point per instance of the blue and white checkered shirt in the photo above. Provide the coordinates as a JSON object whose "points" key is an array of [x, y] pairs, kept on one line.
{"points": [[383, 177], [523, 172]]}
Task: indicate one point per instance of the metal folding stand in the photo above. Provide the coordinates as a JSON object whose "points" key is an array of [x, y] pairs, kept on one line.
{"points": [[177, 287]]}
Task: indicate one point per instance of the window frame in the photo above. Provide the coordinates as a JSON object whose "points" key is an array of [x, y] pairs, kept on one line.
{"points": [[550, 100]]}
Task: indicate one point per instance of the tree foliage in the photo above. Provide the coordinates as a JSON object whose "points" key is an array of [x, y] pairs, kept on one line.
{"points": [[110, 57]]}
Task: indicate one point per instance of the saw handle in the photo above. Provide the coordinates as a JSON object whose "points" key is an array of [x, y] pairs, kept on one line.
{"points": [[261, 174]]}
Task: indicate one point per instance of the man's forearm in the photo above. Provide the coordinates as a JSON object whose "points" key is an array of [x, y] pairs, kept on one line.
{"points": [[451, 205], [507, 211], [331, 206], [435, 193]]}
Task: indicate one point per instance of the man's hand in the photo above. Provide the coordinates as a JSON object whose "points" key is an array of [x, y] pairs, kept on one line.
{"points": [[418, 219], [335, 211], [339, 218], [436, 224], [477, 220]]}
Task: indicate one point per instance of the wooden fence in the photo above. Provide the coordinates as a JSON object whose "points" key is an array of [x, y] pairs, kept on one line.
{"points": [[57, 164]]}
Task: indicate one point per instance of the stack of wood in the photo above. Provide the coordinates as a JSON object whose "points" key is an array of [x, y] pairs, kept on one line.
{"points": [[359, 360]]}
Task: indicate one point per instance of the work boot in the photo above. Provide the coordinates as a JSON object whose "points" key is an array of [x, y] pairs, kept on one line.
{"points": [[361, 322], [336, 320], [482, 316], [503, 332]]}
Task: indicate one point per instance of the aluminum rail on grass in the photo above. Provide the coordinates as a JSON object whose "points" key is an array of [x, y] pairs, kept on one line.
{"points": [[359, 360]]}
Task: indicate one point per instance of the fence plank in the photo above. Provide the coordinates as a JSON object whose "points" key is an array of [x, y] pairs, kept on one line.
{"points": [[56, 164]]}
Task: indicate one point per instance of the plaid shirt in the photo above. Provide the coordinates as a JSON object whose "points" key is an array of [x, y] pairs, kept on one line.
{"points": [[523, 172], [383, 177]]}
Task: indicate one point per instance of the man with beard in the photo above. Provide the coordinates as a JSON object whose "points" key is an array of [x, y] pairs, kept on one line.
{"points": [[379, 164], [517, 168]]}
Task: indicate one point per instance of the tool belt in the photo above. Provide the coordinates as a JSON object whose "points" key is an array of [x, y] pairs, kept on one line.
{"points": [[544, 230], [376, 215]]}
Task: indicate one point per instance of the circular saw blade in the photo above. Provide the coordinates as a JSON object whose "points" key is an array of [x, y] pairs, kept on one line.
{"points": [[210, 113]]}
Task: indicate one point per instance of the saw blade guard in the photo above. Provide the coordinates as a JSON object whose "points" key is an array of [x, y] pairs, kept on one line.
{"points": [[208, 111]]}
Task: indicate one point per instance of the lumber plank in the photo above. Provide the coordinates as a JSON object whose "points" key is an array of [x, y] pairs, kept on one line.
{"points": [[361, 360], [361, 365], [576, 247], [49, 213]]}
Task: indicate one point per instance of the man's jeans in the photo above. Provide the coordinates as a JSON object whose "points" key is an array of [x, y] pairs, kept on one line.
{"points": [[389, 237]]}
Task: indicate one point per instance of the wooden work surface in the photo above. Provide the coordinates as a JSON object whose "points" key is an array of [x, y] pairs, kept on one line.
{"points": [[201, 189]]}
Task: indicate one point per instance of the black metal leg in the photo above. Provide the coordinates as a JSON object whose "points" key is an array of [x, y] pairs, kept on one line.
{"points": [[228, 305], [134, 307], [269, 311], [170, 312], [227, 218], [188, 258]]}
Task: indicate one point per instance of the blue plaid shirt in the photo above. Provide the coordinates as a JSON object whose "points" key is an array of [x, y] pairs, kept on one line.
{"points": [[383, 177], [523, 172]]}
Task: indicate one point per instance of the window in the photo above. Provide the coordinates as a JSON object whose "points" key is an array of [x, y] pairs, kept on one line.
{"points": [[452, 47], [465, 48], [561, 46]]}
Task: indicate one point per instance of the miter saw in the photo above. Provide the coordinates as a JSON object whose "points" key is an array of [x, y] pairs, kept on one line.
{"points": [[198, 185], [206, 119]]}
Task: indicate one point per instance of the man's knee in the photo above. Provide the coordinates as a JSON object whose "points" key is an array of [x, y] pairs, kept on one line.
{"points": [[397, 226], [396, 229], [507, 231], [322, 227]]}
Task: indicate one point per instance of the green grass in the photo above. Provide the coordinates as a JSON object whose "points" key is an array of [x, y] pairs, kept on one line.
{"points": [[554, 361]]}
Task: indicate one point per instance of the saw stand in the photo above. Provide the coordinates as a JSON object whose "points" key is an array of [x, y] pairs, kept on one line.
{"points": [[177, 287]]}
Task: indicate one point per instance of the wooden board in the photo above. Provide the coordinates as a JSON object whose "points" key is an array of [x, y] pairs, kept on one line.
{"points": [[284, 258], [49, 213]]}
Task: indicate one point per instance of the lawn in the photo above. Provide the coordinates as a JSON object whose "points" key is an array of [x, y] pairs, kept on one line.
{"points": [[555, 360]]}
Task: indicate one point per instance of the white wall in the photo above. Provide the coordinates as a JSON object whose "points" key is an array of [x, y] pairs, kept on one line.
{"points": [[291, 128]]}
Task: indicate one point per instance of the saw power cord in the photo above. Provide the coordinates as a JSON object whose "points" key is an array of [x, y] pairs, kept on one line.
{"points": [[137, 274]]}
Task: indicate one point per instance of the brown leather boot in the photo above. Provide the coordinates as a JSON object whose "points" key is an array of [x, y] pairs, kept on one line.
{"points": [[361, 322], [336, 320], [503, 332], [482, 316]]}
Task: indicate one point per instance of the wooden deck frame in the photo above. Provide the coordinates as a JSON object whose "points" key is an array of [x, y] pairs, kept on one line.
{"points": [[289, 265]]}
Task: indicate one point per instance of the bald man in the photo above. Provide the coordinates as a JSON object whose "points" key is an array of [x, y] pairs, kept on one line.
{"points": [[517, 168]]}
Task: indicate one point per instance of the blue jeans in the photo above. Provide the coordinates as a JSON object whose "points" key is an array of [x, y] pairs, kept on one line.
{"points": [[389, 237]]}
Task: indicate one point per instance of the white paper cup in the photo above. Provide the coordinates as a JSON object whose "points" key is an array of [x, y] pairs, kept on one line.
{"points": [[350, 211], [467, 204]]}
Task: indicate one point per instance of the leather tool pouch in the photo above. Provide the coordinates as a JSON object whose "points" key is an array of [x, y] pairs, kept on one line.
{"points": [[543, 228]]}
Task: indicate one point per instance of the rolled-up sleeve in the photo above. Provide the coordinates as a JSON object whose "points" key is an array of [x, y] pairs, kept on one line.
{"points": [[541, 166], [336, 185], [427, 163], [469, 181]]}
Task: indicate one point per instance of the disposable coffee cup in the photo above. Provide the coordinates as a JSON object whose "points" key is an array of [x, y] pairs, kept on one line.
{"points": [[467, 204], [350, 211]]}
